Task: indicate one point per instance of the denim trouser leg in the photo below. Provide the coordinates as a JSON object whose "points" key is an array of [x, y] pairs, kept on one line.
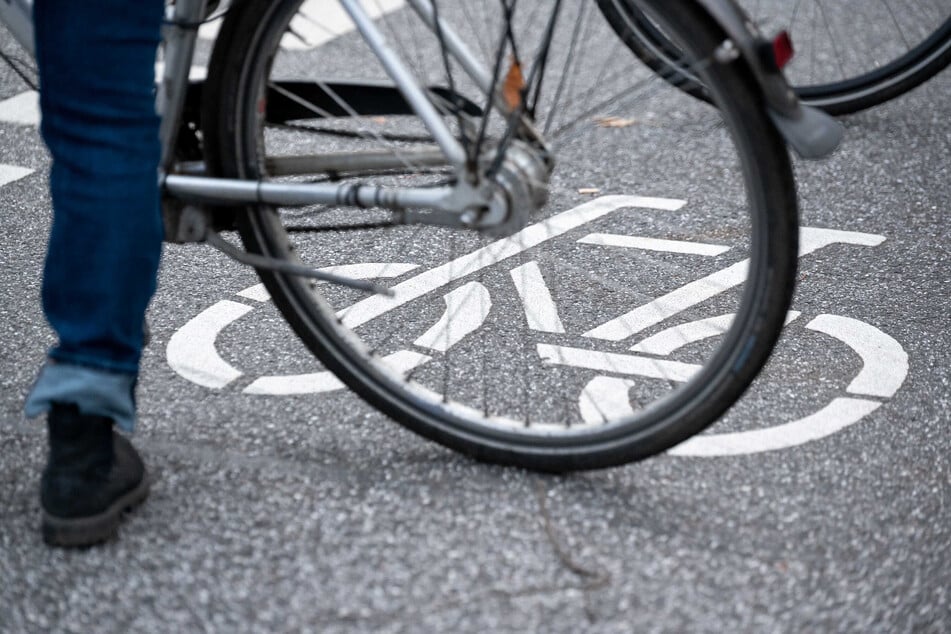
{"points": [[96, 65]]}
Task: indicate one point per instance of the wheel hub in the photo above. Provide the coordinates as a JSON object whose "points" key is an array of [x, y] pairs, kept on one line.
{"points": [[520, 188]]}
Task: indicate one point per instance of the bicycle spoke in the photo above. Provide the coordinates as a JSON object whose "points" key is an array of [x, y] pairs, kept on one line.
{"points": [[489, 331], [832, 39]]}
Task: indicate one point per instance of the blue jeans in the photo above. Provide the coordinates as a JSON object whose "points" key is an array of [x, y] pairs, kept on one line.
{"points": [[96, 61]]}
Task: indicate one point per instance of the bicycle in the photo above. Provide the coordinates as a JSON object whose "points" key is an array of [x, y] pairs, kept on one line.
{"points": [[415, 147], [855, 55]]}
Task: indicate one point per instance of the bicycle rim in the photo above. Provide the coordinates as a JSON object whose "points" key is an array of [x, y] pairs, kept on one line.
{"points": [[634, 308]]}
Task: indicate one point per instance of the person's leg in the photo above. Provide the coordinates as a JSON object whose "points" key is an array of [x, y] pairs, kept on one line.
{"points": [[96, 66]]}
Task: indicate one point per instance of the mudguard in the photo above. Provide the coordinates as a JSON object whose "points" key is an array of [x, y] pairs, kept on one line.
{"points": [[809, 131]]}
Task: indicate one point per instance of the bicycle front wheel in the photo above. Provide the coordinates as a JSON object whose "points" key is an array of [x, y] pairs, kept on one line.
{"points": [[633, 309], [850, 55]]}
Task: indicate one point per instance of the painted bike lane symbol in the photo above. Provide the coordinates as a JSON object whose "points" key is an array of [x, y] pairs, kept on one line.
{"points": [[191, 351]]}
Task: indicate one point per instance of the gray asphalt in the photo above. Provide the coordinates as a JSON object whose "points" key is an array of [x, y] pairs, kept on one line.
{"points": [[319, 514]]}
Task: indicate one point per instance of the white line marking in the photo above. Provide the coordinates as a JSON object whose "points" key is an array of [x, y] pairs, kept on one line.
{"points": [[667, 341], [362, 271], [191, 350], [540, 309], [320, 21], [325, 20], [319, 382], [670, 304], [815, 238], [605, 398], [884, 371], [653, 244], [689, 295], [22, 109], [314, 383], [676, 337], [10, 173], [617, 363], [371, 270], [885, 361], [835, 416], [466, 310], [529, 237], [402, 361], [257, 293], [317, 21]]}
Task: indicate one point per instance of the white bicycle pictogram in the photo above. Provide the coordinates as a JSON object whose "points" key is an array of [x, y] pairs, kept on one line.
{"points": [[191, 351]]}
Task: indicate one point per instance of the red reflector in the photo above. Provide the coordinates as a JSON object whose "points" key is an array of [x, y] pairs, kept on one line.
{"points": [[783, 50]]}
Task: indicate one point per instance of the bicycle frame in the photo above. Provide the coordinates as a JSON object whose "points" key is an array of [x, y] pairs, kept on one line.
{"points": [[17, 15], [179, 38], [446, 205]]}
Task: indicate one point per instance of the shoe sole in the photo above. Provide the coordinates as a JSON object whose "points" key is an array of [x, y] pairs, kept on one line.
{"points": [[92, 529]]}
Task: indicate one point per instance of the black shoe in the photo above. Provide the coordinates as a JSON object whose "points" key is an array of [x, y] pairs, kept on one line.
{"points": [[92, 476]]}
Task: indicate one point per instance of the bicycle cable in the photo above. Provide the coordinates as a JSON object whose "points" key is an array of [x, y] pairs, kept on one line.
{"points": [[9, 60]]}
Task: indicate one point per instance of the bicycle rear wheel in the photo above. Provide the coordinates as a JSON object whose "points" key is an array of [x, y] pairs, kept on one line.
{"points": [[666, 221], [850, 55]]}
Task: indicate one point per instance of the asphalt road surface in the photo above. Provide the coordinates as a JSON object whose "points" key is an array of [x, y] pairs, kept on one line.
{"points": [[301, 512]]}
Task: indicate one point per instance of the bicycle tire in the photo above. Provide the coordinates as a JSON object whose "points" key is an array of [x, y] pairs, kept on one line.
{"points": [[234, 139], [889, 80]]}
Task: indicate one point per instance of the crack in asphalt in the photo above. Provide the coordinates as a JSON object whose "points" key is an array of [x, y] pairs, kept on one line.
{"points": [[596, 578]]}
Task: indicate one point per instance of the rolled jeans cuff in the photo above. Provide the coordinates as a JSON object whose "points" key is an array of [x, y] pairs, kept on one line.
{"points": [[94, 392]]}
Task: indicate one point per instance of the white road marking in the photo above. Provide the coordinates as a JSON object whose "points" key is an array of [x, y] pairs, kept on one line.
{"points": [[362, 271], [885, 362], [653, 244], [667, 341], [605, 398], [320, 21], [529, 237], [191, 350], [670, 304], [317, 22], [540, 309], [10, 173], [885, 369], [313, 383], [835, 416], [815, 238], [810, 239], [676, 337], [617, 363], [371, 270], [257, 293], [466, 310], [401, 362], [22, 109]]}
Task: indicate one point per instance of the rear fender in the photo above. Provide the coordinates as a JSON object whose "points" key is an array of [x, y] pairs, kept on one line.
{"points": [[809, 131]]}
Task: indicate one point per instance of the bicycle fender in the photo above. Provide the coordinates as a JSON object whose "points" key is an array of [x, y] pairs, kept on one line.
{"points": [[809, 131], [813, 134]]}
